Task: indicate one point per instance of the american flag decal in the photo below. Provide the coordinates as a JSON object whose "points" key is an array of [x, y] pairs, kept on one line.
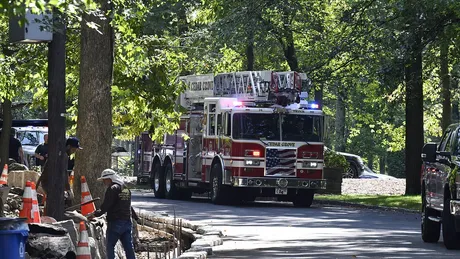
{"points": [[280, 162]]}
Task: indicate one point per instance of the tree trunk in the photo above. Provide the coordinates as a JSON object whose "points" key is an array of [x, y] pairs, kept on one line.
{"points": [[370, 162], [289, 52], [382, 162], [340, 140], [445, 79], [94, 125], [250, 51], [319, 94], [455, 104], [5, 136], [56, 121], [414, 114]]}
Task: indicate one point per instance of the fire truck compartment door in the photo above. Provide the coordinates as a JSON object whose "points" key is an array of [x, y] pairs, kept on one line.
{"points": [[194, 149]]}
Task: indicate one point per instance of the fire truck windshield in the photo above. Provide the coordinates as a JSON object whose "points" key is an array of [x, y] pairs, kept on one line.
{"points": [[301, 128], [256, 126], [294, 127]]}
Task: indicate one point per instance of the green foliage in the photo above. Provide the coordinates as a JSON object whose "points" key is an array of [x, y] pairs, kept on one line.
{"points": [[395, 163], [395, 201], [335, 160]]}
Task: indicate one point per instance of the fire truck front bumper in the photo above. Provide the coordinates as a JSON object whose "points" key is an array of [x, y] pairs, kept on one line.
{"points": [[294, 183]]}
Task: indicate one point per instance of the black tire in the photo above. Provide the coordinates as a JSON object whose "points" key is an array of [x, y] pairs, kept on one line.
{"points": [[218, 194], [304, 198], [450, 236], [171, 191], [158, 181], [431, 230], [351, 172]]}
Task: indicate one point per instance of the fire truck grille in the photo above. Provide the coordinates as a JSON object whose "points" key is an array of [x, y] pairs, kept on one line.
{"points": [[280, 162]]}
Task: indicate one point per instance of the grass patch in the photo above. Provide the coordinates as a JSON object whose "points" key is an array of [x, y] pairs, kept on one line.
{"points": [[394, 201]]}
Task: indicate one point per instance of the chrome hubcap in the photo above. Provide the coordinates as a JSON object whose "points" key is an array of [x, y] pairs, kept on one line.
{"points": [[157, 182], [168, 181], [215, 187], [348, 173]]}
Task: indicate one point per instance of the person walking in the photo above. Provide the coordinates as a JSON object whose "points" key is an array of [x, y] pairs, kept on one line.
{"points": [[41, 152], [15, 148], [117, 205], [72, 145]]}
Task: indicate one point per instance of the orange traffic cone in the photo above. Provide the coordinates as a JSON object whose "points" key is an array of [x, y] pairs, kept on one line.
{"points": [[83, 251], [85, 197], [26, 208], [35, 208], [4, 177]]}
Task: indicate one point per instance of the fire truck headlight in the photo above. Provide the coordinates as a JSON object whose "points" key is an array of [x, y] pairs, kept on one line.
{"points": [[251, 162], [310, 164]]}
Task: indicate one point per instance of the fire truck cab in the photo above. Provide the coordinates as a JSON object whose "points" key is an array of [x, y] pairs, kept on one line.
{"points": [[245, 135]]}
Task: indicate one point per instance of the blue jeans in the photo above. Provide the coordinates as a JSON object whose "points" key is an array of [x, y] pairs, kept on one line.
{"points": [[120, 230]]}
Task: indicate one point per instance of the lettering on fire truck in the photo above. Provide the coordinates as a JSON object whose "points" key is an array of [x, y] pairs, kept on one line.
{"points": [[281, 144]]}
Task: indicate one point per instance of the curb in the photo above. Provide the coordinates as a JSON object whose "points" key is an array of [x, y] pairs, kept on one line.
{"points": [[362, 206], [206, 236]]}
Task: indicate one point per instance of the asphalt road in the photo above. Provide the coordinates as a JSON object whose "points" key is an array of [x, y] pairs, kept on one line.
{"points": [[278, 230]]}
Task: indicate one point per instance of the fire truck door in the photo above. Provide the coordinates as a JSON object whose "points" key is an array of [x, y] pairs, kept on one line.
{"points": [[194, 147]]}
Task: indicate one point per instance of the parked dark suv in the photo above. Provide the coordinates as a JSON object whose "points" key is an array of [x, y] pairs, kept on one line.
{"points": [[441, 189]]}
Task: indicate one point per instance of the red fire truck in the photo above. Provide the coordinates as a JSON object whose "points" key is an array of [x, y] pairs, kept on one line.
{"points": [[245, 135]]}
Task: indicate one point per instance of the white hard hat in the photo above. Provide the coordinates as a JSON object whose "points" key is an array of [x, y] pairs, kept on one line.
{"points": [[107, 174]]}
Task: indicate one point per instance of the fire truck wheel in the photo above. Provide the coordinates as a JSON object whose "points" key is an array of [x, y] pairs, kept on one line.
{"points": [[304, 198], [218, 195], [171, 191], [158, 183]]}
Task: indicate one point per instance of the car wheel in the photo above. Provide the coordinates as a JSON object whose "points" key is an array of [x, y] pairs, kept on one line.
{"points": [[158, 183], [351, 172], [304, 198], [431, 230], [450, 236], [218, 195]]}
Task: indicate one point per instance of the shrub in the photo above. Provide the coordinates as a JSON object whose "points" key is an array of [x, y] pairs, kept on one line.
{"points": [[334, 160]]}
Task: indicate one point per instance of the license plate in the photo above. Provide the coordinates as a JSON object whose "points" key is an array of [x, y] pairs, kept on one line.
{"points": [[281, 191]]}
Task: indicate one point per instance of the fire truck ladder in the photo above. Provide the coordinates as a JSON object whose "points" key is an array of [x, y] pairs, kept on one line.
{"points": [[244, 85]]}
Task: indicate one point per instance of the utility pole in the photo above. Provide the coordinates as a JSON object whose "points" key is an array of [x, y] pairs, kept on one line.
{"points": [[56, 118]]}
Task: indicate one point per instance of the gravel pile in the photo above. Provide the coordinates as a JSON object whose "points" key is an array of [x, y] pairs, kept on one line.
{"points": [[374, 186]]}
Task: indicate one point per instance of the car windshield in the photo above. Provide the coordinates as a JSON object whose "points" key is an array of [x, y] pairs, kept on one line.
{"points": [[32, 138], [267, 126]]}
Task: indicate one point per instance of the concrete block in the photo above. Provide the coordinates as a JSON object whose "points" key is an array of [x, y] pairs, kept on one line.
{"points": [[71, 229], [193, 255], [207, 249]]}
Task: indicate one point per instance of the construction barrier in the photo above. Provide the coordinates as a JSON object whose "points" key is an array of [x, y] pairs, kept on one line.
{"points": [[35, 208], [85, 197], [83, 251], [4, 176], [27, 203]]}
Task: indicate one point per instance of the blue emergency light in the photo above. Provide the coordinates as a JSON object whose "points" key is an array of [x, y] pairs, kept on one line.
{"points": [[314, 106]]}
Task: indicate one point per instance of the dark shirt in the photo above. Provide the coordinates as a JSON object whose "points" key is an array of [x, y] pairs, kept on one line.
{"points": [[45, 181], [70, 164], [117, 203], [15, 144], [42, 150]]}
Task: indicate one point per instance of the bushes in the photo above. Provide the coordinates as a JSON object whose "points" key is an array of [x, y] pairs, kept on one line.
{"points": [[335, 160]]}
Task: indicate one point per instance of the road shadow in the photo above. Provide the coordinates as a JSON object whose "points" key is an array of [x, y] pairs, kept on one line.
{"points": [[322, 231]]}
